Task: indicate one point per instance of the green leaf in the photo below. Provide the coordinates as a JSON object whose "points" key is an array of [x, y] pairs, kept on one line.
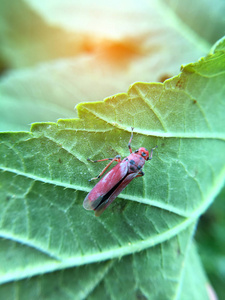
{"points": [[194, 284], [211, 243], [141, 274], [44, 181]]}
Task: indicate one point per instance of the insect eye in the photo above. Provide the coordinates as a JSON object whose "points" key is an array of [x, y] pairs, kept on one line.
{"points": [[143, 154], [136, 151]]}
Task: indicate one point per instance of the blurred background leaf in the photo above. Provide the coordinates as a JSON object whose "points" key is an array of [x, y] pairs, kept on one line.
{"points": [[66, 52]]}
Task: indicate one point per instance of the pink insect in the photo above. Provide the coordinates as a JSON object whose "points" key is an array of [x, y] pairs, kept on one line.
{"points": [[113, 183]]}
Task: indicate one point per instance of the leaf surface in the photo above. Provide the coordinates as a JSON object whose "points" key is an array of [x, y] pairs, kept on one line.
{"points": [[44, 181]]}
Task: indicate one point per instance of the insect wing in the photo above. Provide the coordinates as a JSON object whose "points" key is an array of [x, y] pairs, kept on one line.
{"points": [[90, 205], [124, 182], [115, 175]]}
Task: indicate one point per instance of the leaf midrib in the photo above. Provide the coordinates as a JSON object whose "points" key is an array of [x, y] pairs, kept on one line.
{"points": [[202, 135]]}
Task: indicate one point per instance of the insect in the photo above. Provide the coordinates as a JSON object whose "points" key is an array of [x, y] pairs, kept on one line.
{"points": [[113, 183]]}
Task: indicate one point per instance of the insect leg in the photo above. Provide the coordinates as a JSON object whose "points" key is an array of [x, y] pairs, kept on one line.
{"points": [[117, 158], [140, 174], [129, 144], [150, 157]]}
